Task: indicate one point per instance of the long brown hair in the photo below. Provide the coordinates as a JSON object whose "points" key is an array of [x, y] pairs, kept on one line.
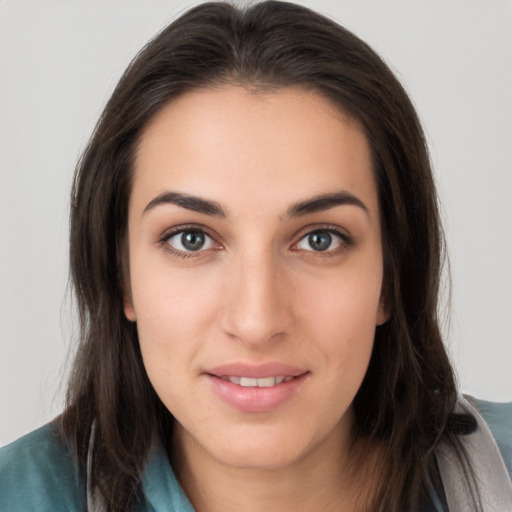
{"points": [[408, 395]]}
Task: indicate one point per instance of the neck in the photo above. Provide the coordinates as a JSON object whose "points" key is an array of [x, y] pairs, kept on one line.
{"points": [[325, 479]]}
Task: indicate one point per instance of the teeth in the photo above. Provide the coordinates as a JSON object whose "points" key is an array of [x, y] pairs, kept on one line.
{"points": [[246, 382], [266, 382]]}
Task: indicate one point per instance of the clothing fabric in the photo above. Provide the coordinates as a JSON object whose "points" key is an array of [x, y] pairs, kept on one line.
{"points": [[492, 486], [37, 472]]}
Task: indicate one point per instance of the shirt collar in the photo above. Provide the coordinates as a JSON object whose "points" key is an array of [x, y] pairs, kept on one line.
{"points": [[161, 488]]}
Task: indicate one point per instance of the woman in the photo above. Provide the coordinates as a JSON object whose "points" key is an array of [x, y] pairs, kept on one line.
{"points": [[255, 252]]}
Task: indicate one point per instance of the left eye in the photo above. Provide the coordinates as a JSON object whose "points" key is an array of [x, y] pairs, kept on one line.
{"points": [[320, 241], [190, 240]]}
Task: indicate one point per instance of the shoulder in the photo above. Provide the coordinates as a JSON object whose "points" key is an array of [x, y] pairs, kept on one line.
{"points": [[498, 417], [37, 472]]}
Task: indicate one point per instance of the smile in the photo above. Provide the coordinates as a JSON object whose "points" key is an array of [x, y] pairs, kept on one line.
{"points": [[259, 388], [265, 382]]}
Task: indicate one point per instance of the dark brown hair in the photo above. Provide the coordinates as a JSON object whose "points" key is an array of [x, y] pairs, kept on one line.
{"points": [[408, 395]]}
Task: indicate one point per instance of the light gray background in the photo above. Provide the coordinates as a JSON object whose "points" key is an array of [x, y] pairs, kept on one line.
{"points": [[61, 59]]}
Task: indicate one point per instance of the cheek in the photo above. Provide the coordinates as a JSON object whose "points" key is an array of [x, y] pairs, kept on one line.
{"points": [[340, 313], [173, 310]]}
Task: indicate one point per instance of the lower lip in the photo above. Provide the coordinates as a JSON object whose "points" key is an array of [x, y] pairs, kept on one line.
{"points": [[253, 399]]}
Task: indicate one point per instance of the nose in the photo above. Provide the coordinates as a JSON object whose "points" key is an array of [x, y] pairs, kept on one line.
{"points": [[257, 305]]}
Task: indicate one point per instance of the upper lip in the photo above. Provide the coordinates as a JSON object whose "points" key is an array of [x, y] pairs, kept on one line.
{"points": [[256, 371]]}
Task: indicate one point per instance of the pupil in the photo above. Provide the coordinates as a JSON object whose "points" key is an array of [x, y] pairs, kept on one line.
{"points": [[192, 240], [320, 241]]}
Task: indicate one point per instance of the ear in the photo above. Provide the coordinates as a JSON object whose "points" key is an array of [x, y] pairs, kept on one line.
{"points": [[384, 311], [129, 310]]}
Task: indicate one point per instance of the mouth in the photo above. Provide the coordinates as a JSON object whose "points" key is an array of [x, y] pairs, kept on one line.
{"points": [[256, 388], [264, 382]]}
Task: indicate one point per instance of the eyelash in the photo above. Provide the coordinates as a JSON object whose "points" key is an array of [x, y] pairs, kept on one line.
{"points": [[345, 241], [164, 241]]}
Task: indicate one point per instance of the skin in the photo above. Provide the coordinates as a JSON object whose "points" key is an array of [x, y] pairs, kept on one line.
{"points": [[257, 291]]}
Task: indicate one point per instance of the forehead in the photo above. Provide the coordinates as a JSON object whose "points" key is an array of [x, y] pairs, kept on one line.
{"points": [[229, 142]]}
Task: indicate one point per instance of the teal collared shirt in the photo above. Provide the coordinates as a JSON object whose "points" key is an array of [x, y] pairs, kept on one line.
{"points": [[37, 473]]}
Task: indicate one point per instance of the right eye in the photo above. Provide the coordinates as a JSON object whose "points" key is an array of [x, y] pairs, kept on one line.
{"points": [[190, 240]]}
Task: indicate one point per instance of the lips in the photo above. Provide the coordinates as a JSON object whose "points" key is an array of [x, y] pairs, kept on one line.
{"points": [[264, 382], [256, 388], [256, 371]]}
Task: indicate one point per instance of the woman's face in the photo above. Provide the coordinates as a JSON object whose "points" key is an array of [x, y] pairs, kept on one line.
{"points": [[255, 270]]}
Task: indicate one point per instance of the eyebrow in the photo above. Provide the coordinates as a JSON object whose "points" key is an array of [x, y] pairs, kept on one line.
{"points": [[193, 203], [324, 202], [315, 204]]}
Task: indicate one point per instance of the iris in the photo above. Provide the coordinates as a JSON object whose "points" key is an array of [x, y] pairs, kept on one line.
{"points": [[320, 240], [192, 240]]}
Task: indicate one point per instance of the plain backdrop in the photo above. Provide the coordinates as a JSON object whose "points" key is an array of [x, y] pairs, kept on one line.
{"points": [[60, 61]]}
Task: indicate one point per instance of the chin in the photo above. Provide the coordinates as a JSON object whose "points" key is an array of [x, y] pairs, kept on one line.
{"points": [[262, 448], [262, 458]]}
